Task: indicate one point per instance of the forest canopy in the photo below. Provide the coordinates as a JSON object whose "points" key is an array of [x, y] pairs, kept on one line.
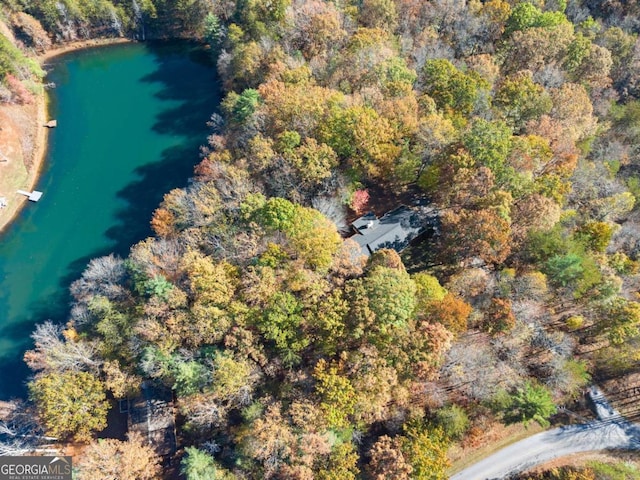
{"points": [[289, 353]]}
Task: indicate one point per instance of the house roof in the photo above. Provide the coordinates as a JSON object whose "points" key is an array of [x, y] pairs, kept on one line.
{"points": [[394, 230], [152, 414], [368, 220]]}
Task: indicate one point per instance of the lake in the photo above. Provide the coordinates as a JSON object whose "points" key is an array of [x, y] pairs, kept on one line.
{"points": [[131, 119]]}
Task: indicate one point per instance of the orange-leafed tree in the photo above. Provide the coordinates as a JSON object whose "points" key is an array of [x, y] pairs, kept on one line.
{"points": [[475, 233], [451, 311], [133, 459]]}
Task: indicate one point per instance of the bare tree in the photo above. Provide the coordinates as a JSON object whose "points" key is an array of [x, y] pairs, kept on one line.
{"points": [[103, 276], [54, 352], [334, 210], [205, 413], [20, 434], [473, 370]]}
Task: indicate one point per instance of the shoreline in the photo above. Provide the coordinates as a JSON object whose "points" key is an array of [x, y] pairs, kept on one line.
{"points": [[81, 45], [39, 112]]}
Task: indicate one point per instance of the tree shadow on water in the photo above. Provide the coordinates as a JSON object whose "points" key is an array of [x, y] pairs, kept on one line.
{"points": [[144, 195], [191, 89], [14, 372], [193, 84]]}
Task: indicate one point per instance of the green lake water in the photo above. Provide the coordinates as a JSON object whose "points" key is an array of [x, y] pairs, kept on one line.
{"points": [[131, 119]]}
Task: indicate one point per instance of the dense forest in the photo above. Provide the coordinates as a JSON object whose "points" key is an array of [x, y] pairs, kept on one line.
{"points": [[289, 353]]}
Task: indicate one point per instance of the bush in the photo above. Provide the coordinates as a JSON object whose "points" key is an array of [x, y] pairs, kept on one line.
{"points": [[564, 269], [524, 404], [596, 235], [615, 471], [20, 92], [453, 420], [13, 61], [574, 322]]}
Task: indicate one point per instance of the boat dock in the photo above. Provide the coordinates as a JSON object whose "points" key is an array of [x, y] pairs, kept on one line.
{"points": [[33, 196]]}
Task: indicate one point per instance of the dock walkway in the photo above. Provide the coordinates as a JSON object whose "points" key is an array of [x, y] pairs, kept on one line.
{"points": [[33, 196]]}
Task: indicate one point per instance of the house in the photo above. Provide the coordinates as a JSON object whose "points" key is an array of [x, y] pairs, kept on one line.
{"points": [[152, 415], [394, 229]]}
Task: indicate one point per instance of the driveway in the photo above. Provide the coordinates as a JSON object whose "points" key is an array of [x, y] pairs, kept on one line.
{"points": [[610, 431]]}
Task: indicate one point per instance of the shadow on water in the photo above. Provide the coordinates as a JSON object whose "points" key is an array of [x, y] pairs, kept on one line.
{"points": [[194, 86], [14, 372], [192, 89]]}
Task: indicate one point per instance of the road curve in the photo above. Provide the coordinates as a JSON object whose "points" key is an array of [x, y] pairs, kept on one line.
{"points": [[610, 432]]}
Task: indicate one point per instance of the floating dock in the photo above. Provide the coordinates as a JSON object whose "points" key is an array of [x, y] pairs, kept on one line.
{"points": [[33, 196]]}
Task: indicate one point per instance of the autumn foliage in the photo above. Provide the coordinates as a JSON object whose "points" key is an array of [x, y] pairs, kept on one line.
{"points": [[511, 127]]}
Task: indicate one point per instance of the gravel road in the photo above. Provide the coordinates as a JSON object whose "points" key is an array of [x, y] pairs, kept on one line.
{"points": [[610, 431]]}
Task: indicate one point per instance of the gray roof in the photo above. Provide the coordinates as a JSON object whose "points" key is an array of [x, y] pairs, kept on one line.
{"points": [[393, 230], [366, 221], [152, 414]]}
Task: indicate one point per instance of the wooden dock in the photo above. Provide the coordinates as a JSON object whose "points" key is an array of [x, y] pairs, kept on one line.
{"points": [[33, 196]]}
